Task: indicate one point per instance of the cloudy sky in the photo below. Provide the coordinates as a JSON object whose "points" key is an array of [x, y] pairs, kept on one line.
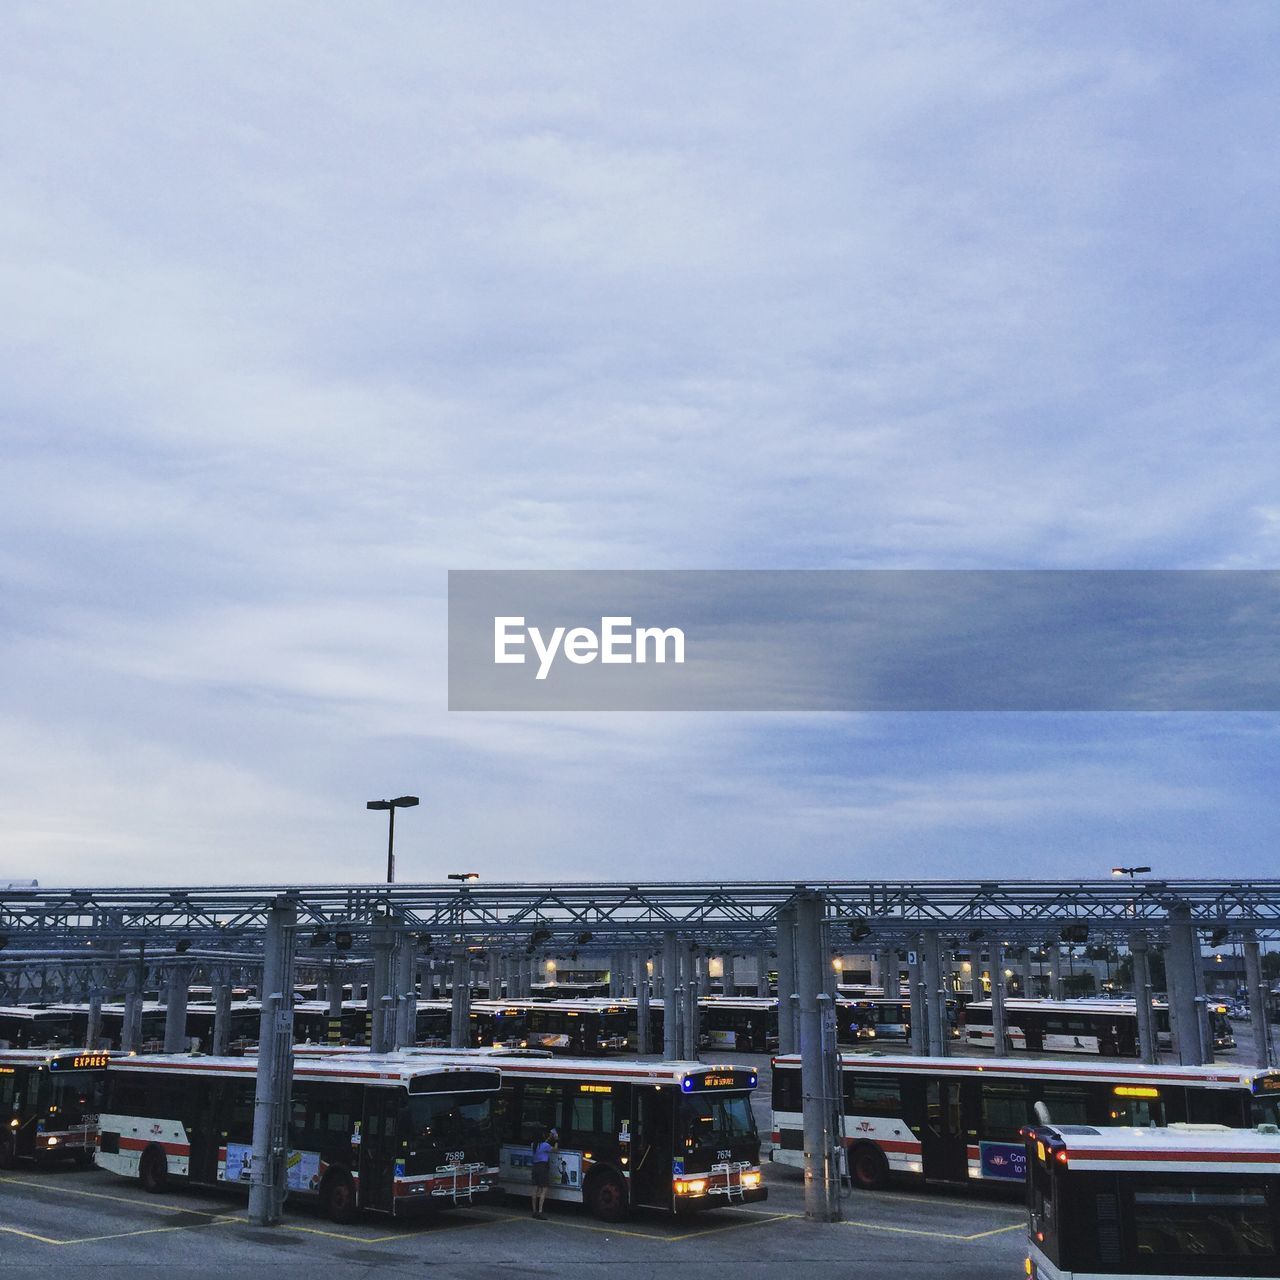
{"points": [[307, 304]]}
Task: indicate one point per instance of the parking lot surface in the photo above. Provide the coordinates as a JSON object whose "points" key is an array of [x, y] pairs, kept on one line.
{"points": [[65, 1222]]}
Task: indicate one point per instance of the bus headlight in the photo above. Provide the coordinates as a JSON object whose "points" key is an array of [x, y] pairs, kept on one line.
{"points": [[691, 1187], [51, 1142], [751, 1179]]}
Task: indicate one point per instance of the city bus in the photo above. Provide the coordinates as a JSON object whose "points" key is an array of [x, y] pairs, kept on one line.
{"points": [[390, 1135], [958, 1120], [1106, 1027], [676, 1136], [29, 1027], [747, 1024], [49, 1104], [1152, 1202], [578, 1027]]}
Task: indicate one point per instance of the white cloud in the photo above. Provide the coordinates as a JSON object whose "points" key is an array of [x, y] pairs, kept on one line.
{"points": [[308, 306]]}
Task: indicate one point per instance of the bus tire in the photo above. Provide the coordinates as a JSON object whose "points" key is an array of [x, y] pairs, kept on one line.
{"points": [[7, 1157], [606, 1195], [153, 1171], [83, 1159], [338, 1196], [868, 1169]]}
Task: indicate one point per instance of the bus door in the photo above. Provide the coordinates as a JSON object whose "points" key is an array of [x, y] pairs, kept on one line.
{"points": [[652, 1147], [944, 1147], [379, 1147]]}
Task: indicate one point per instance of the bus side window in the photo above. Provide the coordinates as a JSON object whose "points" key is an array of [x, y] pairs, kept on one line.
{"points": [[1212, 1106], [541, 1109], [1067, 1105], [6, 1092], [870, 1095], [1006, 1107], [786, 1090]]}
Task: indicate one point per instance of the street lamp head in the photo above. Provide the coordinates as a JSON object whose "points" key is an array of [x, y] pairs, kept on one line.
{"points": [[378, 804], [464, 875], [405, 802]]}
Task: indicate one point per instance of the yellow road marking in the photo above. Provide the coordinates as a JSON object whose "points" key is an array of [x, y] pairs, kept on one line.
{"points": [[434, 1228], [654, 1235], [117, 1235], [898, 1198], [936, 1235], [102, 1195]]}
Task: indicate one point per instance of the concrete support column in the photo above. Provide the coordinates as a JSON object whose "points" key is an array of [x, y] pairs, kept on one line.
{"points": [[1028, 972], [672, 997], [762, 973], [1139, 950], [1055, 972], [887, 972], [658, 988], [406, 959], [460, 1013], [495, 974], [380, 991], [1202, 1002], [996, 963], [221, 1016], [693, 976], [787, 1040], [935, 995], [1181, 958], [919, 1000], [1257, 989], [642, 1004], [177, 986], [817, 1070], [268, 1179], [131, 1029], [93, 1029]]}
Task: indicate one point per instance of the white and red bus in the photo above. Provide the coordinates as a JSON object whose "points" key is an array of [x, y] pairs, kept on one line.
{"points": [[1105, 1027], [1152, 1202], [676, 1136], [49, 1104], [959, 1120], [393, 1136]]}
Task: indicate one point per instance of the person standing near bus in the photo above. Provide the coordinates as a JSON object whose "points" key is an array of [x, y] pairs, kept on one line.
{"points": [[543, 1148]]}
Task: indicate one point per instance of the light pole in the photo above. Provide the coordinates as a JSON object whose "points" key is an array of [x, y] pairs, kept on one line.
{"points": [[400, 802]]}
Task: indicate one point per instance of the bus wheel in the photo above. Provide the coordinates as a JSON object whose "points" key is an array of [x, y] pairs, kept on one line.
{"points": [[606, 1196], [868, 1168], [153, 1170], [338, 1196], [7, 1158], [84, 1159]]}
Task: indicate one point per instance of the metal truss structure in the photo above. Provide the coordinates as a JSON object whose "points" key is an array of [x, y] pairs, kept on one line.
{"points": [[598, 917]]}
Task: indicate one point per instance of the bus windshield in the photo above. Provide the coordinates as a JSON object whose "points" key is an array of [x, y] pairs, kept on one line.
{"points": [[713, 1118], [447, 1119], [72, 1094]]}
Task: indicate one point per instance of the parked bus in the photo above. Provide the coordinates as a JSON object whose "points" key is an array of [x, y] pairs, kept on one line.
{"points": [[1106, 1027], [49, 1104], [744, 1023], [959, 1119], [1152, 1202], [29, 1027], [578, 1027], [391, 1135], [677, 1136], [585, 989]]}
